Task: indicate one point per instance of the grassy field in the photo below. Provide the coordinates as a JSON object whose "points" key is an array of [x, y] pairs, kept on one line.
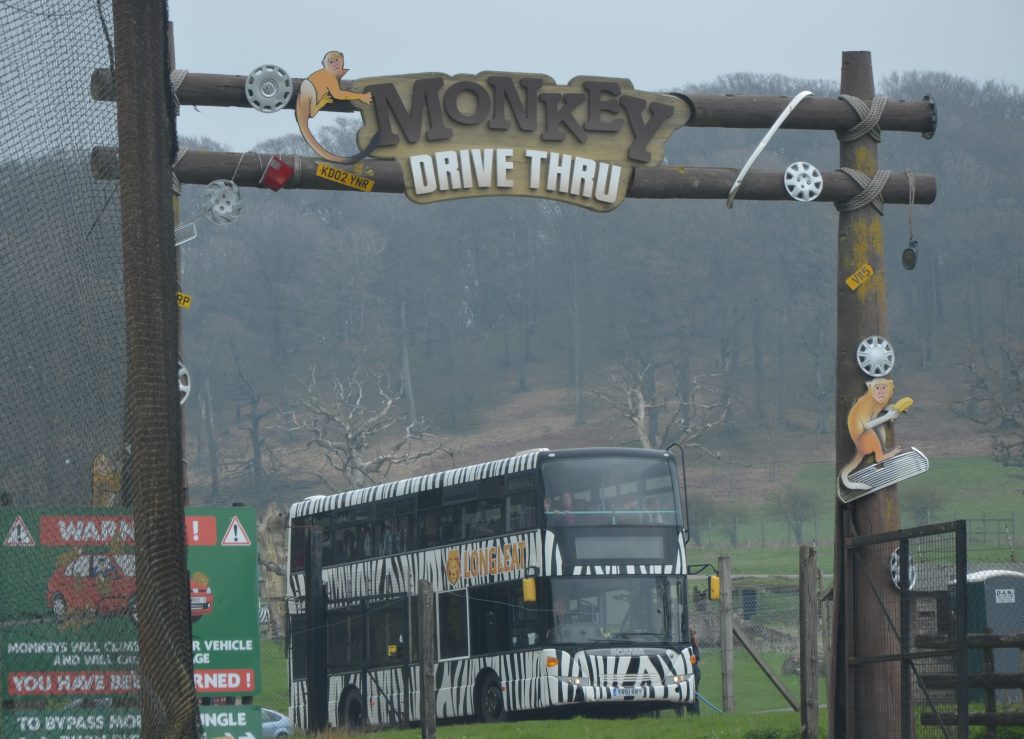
{"points": [[273, 676], [977, 489]]}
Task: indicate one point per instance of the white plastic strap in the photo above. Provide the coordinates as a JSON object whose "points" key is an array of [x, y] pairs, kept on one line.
{"points": [[764, 142]]}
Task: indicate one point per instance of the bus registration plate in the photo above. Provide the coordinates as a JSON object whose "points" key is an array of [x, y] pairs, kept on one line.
{"points": [[627, 692]]}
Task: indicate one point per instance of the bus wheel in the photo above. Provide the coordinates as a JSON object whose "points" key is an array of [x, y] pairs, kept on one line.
{"points": [[490, 702], [352, 710]]}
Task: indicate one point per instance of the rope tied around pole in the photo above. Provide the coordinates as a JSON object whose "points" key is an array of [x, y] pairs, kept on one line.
{"points": [[175, 182], [870, 190], [869, 118], [912, 187], [177, 77]]}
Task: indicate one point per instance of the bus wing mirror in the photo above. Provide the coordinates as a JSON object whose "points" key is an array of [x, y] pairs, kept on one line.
{"points": [[714, 587], [529, 590]]}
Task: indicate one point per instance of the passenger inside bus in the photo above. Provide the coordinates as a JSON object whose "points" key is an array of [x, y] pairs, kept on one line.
{"points": [[562, 508]]}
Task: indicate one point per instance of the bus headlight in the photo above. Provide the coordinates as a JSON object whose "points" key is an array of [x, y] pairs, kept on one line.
{"points": [[677, 679], [578, 681]]}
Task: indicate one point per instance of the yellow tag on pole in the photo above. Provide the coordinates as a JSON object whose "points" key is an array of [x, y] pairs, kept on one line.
{"points": [[184, 301], [343, 177], [859, 277]]}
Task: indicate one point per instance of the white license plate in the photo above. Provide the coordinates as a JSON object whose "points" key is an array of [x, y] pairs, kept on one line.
{"points": [[627, 692]]}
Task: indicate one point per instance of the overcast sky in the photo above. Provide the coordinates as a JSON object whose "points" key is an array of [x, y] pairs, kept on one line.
{"points": [[658, 44]]}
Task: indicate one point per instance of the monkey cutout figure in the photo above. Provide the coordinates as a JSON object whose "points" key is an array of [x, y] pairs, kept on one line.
{"points": [[864, 418], [322, 88]]}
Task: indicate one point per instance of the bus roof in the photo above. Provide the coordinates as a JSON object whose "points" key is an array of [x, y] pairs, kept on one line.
{"points": [[518, 463]]}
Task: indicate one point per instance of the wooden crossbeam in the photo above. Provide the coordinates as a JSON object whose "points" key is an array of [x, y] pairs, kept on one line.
{"points": [[978, 641], [1014, 718], [718, 111], [202, 167], [988, 681]]}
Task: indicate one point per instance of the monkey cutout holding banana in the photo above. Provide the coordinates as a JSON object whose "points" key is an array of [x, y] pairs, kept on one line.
{"points": [[321, 88], [862, 421]]}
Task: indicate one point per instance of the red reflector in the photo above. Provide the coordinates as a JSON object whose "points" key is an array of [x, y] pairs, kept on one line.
{"points": [[277, 174]]}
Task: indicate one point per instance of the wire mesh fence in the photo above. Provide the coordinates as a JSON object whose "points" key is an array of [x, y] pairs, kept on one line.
{"points": [[903, 655], [73, 446], [63, 363]]}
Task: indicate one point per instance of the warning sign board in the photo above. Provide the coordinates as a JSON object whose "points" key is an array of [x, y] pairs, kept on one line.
{"points": [[235, 535], [19, 535], [71, 632]]}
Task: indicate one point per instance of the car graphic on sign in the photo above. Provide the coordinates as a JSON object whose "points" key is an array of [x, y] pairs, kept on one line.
{"points": [[93, 584], [200, 595]]}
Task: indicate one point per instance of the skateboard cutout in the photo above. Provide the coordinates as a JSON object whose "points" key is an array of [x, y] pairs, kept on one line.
{"points": [[895, 469]]}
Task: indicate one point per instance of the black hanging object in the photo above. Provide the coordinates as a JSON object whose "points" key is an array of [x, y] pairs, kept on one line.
{"points": [[910, 255]]}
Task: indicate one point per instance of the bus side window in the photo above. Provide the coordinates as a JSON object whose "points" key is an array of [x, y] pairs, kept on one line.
{"points": [[489, 618], [388, 632], [427, 529], [451, 618], [345, 639], [522, 502], [449, 524], [327, 544], [299, 533]]}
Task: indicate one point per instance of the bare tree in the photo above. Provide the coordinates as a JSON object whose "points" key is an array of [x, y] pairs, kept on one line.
{"points": [[353, 421], [995, 399], [683, 407], [796, 505], [245, 390]]}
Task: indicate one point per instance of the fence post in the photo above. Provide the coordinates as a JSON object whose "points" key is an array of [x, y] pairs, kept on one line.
{"points": [[725, 632], [825, 609], [808, 642], [428, 701]]}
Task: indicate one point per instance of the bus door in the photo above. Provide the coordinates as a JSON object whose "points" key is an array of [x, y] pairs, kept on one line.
{"points": [[388, 674]]}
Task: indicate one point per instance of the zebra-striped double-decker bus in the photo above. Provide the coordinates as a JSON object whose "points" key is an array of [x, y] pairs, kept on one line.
{"points": [[558, 579]]}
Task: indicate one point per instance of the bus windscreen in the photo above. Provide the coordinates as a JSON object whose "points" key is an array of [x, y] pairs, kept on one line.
{"points": [[609, 491]]}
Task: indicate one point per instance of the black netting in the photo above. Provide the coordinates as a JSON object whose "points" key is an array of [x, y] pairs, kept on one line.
{"points": [[75, 438], [62, 322]]}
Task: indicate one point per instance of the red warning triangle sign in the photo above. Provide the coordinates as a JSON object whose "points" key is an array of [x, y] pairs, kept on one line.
{"points": [[235, 536], [19, 535]]}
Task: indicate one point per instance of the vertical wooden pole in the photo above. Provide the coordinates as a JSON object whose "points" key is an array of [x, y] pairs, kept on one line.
{"points": [[826, 610], [861, 313], [428, 700], [809, 642], [725, 633], [153, 428]]}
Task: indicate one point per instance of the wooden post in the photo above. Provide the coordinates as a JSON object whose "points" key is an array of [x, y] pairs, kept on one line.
{"points": [[861, 313], [825, 599], [989, 667], [153, 414], [725, 631], [809, 642], [428, 700]]}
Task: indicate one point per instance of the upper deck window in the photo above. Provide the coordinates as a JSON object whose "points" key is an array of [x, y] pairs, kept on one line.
{"points": [[609, 491]]}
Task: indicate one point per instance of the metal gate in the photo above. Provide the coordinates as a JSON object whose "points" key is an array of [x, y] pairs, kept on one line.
{"points": [[906, 635]]}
